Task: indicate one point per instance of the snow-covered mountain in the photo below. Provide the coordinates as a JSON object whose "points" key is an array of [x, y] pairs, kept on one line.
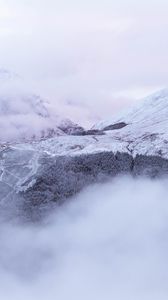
{"points": [[53, 169], [26, 116]]}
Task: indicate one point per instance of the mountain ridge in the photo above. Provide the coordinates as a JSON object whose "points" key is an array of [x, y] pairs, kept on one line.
{"points": [[38, 173]]}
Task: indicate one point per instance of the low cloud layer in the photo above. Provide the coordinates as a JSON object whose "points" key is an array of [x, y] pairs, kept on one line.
{"points": [[110, 242]]}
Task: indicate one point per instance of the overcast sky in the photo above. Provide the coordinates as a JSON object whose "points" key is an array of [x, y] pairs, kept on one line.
{"points": [[91, 58]]}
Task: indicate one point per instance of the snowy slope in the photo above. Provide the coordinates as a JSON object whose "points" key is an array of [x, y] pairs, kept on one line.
{"points": [[150, 112], [147, 125], [26, 116]]}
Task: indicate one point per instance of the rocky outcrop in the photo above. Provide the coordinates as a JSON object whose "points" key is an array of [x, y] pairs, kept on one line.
{"points": [[89, 132], [115, 126]]}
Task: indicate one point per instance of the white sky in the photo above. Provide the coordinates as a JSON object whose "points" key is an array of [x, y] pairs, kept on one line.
{"points": [[98, 55]]}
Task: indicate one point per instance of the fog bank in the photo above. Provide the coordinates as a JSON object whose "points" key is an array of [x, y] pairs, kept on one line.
{"points": [[110, 242]]}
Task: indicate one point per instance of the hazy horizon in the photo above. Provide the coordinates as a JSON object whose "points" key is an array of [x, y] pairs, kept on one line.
{"points": [[89, 59]]}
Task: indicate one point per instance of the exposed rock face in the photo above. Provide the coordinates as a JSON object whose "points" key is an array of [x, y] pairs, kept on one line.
{"points": [[115, 126], [89, 132]]}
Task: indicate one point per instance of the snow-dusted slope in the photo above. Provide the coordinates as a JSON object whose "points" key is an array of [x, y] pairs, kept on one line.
{"points": [[151, 112], [146, 126], [26, 116]]}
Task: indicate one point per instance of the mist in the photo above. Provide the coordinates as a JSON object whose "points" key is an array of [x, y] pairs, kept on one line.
{"points": [[89, 59], [108, 242]]}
